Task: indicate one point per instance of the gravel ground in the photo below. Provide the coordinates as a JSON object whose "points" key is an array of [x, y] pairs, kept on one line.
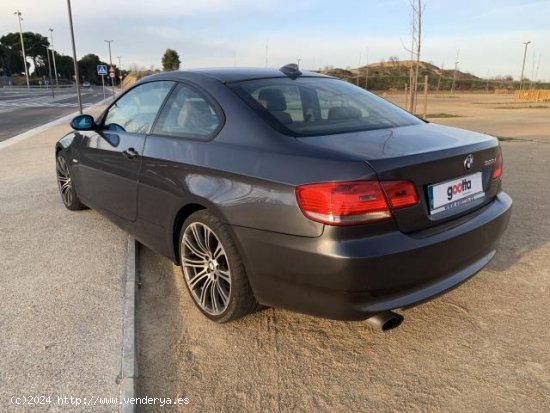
{"points": [[61, 291], [482, 347]]}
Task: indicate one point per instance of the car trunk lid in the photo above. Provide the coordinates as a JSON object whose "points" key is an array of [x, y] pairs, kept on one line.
{"points": [[427, 155]]}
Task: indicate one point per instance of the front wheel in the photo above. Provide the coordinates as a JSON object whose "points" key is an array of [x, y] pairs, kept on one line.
{"points": [[213, 270], [66, 185]]}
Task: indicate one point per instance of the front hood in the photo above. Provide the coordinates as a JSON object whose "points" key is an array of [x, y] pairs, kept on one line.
{"points": [[398, 142]]}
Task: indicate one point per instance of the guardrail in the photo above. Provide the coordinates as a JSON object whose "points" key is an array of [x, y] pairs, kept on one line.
{"points": [[536, 95]]}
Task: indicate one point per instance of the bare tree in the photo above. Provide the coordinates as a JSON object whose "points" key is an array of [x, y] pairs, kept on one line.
{"points": [[417, 11]]}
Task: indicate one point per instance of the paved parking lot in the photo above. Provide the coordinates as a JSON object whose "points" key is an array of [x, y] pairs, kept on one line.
{"points": [[482, 347]]}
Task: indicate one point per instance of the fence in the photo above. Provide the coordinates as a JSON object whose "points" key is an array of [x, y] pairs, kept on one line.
{"points": [[536, 95]]}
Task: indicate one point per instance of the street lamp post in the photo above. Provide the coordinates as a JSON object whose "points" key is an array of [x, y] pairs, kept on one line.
{"points": [[18, 13], [523, 65], [50, 70], [53, 56], [111, 65], [75, 62]]}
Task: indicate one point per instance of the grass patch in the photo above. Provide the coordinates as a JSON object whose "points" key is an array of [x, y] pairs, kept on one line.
{"points": [[509, 139], [442, 115], [524, 107]]}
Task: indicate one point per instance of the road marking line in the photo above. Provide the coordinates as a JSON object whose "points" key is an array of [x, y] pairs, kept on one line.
{"points": [[32, 132]]}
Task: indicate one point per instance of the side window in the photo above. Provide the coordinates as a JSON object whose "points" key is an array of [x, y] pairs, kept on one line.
{"points": [[135, 112], [188, 114]]}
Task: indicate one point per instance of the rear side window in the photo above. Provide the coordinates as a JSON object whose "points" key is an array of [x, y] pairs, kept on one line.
{"points": [[320, 106], [188, 114], [136, 110]]}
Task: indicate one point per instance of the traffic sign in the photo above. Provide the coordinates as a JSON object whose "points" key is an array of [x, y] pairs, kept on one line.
{"points": [[112, 75], [101, 70], [111, 69]]}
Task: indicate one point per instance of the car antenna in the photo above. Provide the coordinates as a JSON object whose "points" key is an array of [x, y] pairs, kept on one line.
{"points": [[291, 70]]}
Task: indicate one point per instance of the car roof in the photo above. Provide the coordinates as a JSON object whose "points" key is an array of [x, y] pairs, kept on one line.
{"points": [[232, 74]]}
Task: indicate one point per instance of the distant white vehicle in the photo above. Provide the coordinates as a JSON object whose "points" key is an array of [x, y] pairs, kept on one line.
{"points": [[86, 84]]}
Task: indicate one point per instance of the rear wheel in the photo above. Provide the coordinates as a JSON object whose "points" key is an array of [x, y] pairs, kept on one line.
{"points": [[213, 270], [66, 185]]}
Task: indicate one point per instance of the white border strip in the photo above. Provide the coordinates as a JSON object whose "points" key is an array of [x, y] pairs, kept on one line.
{"points": [[128, 368], [25, 135]]}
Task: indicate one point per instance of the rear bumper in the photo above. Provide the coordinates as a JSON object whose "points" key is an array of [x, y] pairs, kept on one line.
{"points": [[353, 279]]}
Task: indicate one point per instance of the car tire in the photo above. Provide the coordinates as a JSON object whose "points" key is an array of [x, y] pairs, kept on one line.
{"points": [[65, 184], [213, 270]]}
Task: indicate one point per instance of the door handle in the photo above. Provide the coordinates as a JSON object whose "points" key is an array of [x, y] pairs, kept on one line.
{"points": [[130, 153]]}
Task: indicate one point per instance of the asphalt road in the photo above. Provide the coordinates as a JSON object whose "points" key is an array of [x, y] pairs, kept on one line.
{"points": [[21, 110]]}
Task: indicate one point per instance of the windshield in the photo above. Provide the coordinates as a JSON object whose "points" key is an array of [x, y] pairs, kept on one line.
{"points": [[320, 106]]}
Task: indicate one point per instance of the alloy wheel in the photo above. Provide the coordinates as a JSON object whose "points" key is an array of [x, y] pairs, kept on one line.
{"points": [[206, 268], [64, 180]]}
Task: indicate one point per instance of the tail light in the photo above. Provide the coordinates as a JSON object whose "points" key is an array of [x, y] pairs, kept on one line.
{"points": [[400, 193], [356, 202], [497, 171]]}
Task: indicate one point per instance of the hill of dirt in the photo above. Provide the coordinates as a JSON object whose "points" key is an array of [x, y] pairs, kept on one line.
{"points": [[399, 69]]}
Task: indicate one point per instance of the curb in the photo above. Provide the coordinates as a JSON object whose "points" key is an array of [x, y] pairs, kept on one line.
{"points": [[128, 370], [22, 136]]}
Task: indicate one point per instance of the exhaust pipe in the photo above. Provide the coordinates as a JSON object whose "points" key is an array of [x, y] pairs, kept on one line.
{"points": [[386, 321]]}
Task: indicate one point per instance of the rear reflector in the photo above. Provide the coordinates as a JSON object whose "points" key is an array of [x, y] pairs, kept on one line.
{"points": [[497, 171], [356, 202], [400, 193]]}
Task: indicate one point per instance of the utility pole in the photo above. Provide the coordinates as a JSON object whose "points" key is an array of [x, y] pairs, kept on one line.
{"points": [[119, 72], [359, 68], [455, 72], [537, 71], [111, 65], [523, 65], [53, 56], [425, 112], [18, 13], [299, 60], [532, 71], [440, 75], [50, 70], [75, 62], [367, 71]]}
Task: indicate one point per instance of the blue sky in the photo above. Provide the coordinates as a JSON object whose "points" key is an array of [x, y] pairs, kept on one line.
{"points": [[488, 33]]}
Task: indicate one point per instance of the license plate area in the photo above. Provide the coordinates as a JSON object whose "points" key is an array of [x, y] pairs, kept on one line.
{"points": [[455, 193]]}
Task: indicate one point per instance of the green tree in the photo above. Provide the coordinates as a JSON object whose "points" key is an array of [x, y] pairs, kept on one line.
{"points": [[87, 66], [170, 60], [65, 66], [10, 61], [35, 49]]}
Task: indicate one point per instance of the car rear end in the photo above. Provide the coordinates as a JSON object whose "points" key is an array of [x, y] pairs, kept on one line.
{"points": [[428, 219]]}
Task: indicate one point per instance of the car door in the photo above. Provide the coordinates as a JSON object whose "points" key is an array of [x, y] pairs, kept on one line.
{"points": [[181, 137], [110, 158]]}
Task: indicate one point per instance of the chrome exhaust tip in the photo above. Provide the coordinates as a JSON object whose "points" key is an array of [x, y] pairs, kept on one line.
{"points": [[385, 321]]}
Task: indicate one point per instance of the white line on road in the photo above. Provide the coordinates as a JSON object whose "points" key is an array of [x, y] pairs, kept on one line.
{"points": [[32, 132]]}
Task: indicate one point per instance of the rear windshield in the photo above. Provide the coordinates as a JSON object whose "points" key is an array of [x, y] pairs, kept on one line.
{"points": [[320, 106]]}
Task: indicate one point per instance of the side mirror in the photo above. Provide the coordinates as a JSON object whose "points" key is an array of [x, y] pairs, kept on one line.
{"points": [[83, 122]]}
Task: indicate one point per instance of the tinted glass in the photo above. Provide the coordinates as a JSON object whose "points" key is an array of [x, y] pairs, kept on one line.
{"points": [[188, 114], [320, 106], [136, 111]]}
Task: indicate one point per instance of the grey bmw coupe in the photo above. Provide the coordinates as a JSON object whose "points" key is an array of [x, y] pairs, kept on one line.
{"points": [[289, 189]]}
